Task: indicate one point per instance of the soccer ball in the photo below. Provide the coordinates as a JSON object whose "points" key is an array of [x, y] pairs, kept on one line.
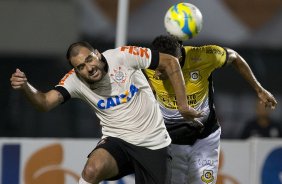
{"points": [[183, 20]]}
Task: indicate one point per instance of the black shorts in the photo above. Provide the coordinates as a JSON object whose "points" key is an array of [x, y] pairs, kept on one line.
{"points": [[182, 133], [149, 166]]}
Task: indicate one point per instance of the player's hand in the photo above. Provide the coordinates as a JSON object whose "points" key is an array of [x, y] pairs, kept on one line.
{"points": [[191, 114], [267, 99], [18, 80]]}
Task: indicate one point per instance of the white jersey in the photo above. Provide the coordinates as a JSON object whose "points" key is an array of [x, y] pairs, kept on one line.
{"points": [[123, 99]]}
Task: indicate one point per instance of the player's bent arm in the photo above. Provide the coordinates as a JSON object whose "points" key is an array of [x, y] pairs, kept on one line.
{"points": [[244, 69], [171, 67], [42, 101]]}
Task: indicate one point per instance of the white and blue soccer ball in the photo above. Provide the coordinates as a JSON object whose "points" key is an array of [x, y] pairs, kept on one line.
{"points": [[183, 20]]}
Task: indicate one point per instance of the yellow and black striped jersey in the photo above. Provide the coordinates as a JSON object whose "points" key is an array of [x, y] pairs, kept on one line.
{"points": [[197, 67]]}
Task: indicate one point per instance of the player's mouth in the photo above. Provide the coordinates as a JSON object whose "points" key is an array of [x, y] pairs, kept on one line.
{"points": [[93, 73]]}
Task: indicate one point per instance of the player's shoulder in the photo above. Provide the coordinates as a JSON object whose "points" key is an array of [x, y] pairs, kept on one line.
{"points": [[111, 52], [128, 50], [113, 55], [205, 49], [211, 55], [70, 76]]}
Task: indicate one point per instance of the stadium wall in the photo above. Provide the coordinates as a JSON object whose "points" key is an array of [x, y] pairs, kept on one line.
{"points": [[60, 161]]}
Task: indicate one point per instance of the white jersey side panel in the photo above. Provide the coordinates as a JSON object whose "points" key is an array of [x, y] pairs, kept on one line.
{"points": [[123, 100]]}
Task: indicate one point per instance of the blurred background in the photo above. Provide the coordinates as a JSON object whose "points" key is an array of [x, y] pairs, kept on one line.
{"points": [[34, 36]]}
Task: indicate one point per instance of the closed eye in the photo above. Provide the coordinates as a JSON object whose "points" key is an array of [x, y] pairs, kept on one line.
{"points": [[80, 67], [89, 59]]}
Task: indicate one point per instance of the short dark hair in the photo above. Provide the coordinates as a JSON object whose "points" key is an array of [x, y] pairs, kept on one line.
{"points": [[73, 49], [167, 44]]}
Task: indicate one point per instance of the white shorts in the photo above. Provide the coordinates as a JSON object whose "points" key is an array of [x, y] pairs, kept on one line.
{"points": [[198, 163]]}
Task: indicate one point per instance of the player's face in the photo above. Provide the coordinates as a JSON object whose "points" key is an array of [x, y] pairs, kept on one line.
{"points": [[89, 65]]}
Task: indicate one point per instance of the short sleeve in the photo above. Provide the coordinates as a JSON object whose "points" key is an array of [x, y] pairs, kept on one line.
{"points": [[139, 57], [155, 60], [219, 55], [68, 85]]}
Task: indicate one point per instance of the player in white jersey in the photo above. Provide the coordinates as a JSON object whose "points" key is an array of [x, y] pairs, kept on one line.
{"points": [[195, 152], [135, 139]]}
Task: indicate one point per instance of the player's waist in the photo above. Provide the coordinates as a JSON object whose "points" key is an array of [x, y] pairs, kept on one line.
{"points": [[173, 115], [182, 133], [150, 140]]}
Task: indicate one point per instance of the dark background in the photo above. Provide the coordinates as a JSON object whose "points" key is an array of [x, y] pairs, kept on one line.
{"points": [[34, 36]]}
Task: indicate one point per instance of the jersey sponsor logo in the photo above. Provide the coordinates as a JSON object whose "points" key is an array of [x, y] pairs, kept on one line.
{"points": [[204, 162], [191, 99], [207, 176], [195, 76], [214, 51], [136, 51], [169, 101], [118, 75], [119, 99]]}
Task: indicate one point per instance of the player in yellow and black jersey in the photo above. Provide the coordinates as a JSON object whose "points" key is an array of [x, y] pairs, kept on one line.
{"points": [[196, 151]]}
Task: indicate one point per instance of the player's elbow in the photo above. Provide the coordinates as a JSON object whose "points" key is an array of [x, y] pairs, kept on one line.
{"points": [[42, 104], [42, 108], [168, 63]]}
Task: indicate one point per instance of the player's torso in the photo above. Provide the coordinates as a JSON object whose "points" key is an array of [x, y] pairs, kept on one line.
{"points": [[115, 95], [125, 104], [198, 66]]}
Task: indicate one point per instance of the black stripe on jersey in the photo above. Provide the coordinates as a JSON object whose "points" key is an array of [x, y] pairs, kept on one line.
{"points": [[227, 57], [183, 54], [64, 93], [154, 60], [211, 125], [103, 59]]}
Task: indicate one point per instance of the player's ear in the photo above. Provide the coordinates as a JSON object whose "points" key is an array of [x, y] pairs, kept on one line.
{"points": [[97, 53]]}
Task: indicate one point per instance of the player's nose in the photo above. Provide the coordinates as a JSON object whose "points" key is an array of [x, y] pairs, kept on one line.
{"points": [[89, 67]]}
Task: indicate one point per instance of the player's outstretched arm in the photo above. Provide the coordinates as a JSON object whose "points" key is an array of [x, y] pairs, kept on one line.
{"points": [[244, 69], [41, 101], [170, 65]]}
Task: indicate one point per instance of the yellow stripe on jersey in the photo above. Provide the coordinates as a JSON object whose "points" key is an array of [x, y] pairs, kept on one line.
{"points": [[200, 62]]}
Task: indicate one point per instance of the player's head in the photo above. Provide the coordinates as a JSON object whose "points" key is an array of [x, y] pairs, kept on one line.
{"points": [[86, 61], [168, 44]]}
